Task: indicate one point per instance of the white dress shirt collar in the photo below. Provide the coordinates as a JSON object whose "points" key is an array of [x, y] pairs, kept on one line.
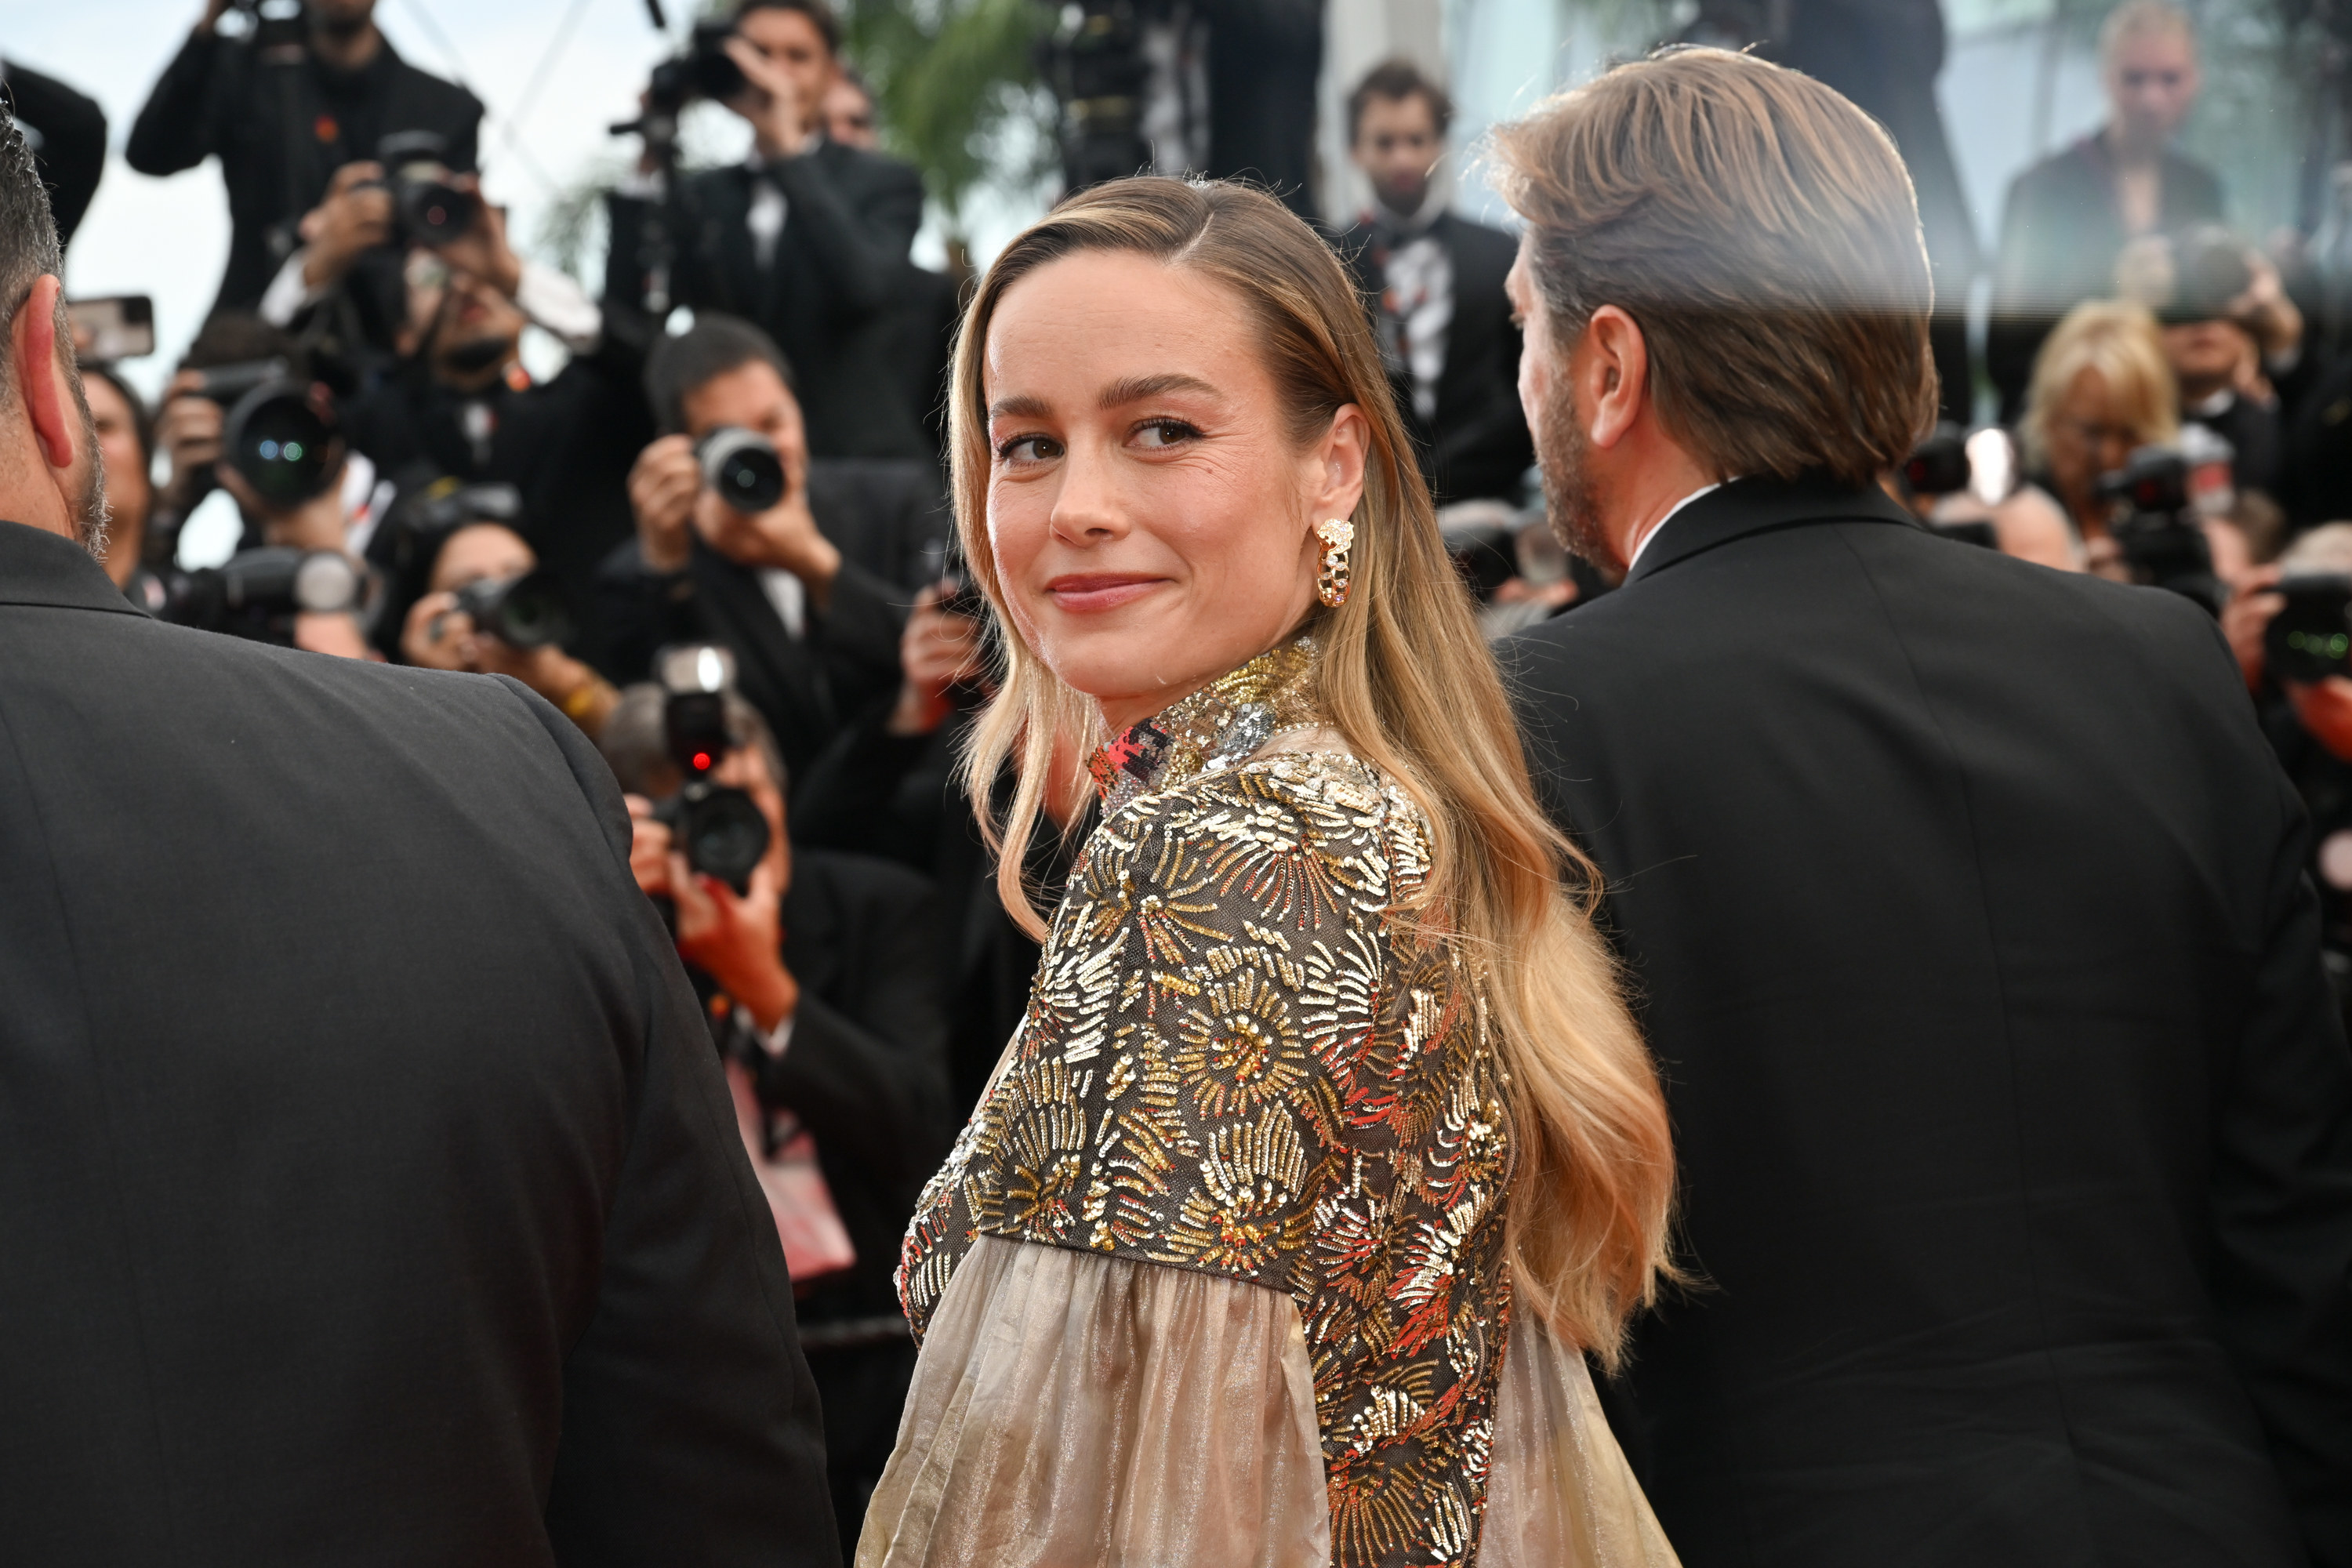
{"points": [[1660, 526]]}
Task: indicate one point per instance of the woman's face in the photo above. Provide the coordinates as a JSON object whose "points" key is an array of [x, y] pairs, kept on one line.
{"points": [[128, 492], [1151, 518], [2088, 436]]}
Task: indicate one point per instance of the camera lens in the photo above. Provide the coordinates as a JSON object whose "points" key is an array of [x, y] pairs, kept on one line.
{"points": [[326, 580], [524, 613], [281, 437], [742, 467], [434, 213], [724, 834]]}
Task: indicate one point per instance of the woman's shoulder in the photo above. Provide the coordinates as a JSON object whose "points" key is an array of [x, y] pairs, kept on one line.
{"points": [[1321, 796]]}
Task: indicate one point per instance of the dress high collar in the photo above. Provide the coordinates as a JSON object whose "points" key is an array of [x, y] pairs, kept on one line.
{"points": [[1219, 725]]}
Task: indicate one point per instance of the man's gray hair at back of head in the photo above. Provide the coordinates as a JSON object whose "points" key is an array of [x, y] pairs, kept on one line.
{"points": [[29, 234]]}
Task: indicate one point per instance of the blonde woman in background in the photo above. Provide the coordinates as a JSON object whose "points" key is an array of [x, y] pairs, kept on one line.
{"points": [[1326, 1148], [2101, 389]]}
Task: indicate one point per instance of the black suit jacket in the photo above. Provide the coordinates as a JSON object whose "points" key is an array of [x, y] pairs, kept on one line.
{"points": [[280, 132], [368, 1189], [1967, 910], [1477, 445], [2060, 234], [830, 295]]}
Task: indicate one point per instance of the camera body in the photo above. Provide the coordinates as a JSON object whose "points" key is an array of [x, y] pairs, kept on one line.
{"points": [[721, 829], [2158, 529], [2311, 639], [524, 612], [703, 70], [426, 207], [257, 593], [743, 467]]}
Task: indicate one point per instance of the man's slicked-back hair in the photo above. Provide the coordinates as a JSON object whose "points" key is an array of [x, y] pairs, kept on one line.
{"points": [[29, 236], [714, 345], [1762, 232]]}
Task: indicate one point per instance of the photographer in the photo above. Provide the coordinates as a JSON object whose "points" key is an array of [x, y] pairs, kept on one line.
{"points": [[2103, 390], [2308, 722], [2226, 324], [819, 983], [285, 106], [461, 403], [805, 589], [439, 630], [126, 451], [808, 237]]}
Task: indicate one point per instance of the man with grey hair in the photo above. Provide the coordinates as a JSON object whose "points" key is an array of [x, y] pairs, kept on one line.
{"points": [[369, 1192], [1965, 902]]}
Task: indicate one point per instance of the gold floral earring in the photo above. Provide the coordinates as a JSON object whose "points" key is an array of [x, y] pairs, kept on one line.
{"points": [[1338, 536]]}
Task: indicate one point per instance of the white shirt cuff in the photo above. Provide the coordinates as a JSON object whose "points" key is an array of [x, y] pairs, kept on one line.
{"points": [[556, 301], [288, 293], [774, 1041]]}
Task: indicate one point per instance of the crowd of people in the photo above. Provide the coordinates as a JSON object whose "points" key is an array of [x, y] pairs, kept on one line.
{"points": [[719, 539]]}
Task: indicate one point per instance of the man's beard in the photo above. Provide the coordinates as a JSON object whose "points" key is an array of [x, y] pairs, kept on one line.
{"points": [[1563, 453], [91, 515]]}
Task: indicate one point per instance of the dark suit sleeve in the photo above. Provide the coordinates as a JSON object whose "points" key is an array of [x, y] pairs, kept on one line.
{"points": [[73, 142], [860, 247], [872, 1087], [860, 635], [2283, 1205], [690, 1425], [174, 131], [641, 611]]}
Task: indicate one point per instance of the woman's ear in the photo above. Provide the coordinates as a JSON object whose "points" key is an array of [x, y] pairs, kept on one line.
{"points": [[1340, 459]]}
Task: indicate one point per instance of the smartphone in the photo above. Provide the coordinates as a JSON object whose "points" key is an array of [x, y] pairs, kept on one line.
{"points": [[118, 326], [2311, 639]]}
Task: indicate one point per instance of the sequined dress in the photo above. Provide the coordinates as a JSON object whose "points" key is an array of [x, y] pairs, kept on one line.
{"points": [[1215, 1274]]}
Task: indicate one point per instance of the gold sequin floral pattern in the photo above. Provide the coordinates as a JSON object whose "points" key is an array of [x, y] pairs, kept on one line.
{"points": [[1241, 1058]]}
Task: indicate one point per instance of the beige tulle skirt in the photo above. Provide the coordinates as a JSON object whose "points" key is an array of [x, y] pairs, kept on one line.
{"points": [[1071, 1409]]}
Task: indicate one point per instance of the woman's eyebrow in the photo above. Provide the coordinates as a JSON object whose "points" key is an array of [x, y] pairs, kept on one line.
{"points": [[1019, 408], [1136, 388]]}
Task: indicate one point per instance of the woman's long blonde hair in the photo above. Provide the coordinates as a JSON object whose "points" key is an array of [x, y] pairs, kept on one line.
{"points": [[1404, 676]]}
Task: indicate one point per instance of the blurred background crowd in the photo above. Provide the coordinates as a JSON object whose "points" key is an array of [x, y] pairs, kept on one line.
{"points": [[605, 348]]}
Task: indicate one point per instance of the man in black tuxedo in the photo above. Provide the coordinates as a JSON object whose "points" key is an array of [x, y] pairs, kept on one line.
{"points": [[810, 595], [808, 237], [1435, 280], [367, 1183], [283, 116], [1964, 902]]}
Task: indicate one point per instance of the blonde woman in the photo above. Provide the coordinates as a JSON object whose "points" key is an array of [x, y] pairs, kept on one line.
{"points": [[1326, 1147], [2101, 389]]}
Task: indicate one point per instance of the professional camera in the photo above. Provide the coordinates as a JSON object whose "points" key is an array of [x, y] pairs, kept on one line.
{"points": [[1940, 468], [272, 24], [523, 612], [703, 70], [743, 466], [280, 433], [2311, 639], [426, 208], [721, 829], [2158, 529], [257, 593]]}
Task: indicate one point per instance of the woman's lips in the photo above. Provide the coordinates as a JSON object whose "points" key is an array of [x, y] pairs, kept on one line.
{"points": [[1092, 594]]}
